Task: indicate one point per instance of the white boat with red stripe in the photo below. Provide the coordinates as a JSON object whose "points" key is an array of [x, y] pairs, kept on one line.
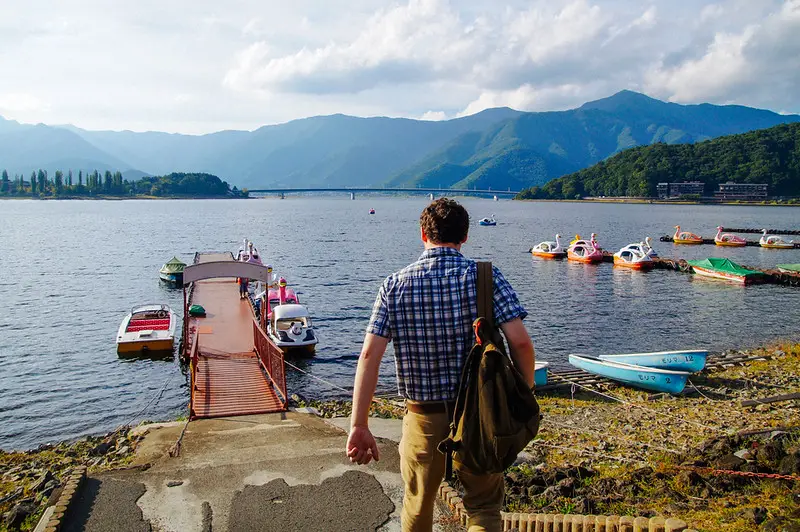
{"points": [[147, 328]]}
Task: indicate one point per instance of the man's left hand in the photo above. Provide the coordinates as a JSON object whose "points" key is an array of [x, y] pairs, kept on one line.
{"points": [[361, 446]]}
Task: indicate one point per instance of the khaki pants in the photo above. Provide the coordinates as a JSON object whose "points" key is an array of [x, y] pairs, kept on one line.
{"points": [[422, 467]]}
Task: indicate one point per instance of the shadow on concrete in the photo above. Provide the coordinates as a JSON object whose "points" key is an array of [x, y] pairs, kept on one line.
{"points": [[105, 505], [353, 501]]}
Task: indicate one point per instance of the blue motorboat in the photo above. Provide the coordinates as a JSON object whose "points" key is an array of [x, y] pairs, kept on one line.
{"points": [[488, 221], [654, 379], [540, 373], [687, 360]]}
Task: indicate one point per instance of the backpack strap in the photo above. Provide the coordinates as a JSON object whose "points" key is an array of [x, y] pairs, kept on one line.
{"points": [[485, 285]]}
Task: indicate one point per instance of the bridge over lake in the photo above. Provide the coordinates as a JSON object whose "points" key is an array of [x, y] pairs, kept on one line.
{"points": [[389, 190]]}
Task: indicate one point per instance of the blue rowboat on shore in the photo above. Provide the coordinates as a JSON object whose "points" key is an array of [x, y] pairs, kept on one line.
{"points": [[657, 380], [686, 360], [540, 373]]}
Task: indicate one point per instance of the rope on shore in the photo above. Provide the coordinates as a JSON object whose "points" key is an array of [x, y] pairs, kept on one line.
{"points": [[548, 420], [155, 399], [375, 399], [175, 450], [634, 405]]}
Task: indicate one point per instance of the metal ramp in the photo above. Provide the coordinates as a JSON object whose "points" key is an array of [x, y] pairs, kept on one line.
{"points": [[232, 385]]}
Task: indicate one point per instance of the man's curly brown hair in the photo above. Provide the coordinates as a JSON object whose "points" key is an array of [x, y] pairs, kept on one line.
{"points": [[445, 221]]}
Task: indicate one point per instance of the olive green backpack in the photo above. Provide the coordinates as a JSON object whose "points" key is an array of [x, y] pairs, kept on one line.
{"points": [[496, 413]]}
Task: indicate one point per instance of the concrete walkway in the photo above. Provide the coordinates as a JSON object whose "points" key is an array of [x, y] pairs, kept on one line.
{"points": [[282, 472]]}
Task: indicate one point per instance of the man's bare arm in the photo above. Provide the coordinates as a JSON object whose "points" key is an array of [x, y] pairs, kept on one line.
{"points": [[521, 347], [367, 377]]}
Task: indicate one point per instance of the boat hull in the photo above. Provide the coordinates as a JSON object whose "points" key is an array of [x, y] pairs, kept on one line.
{"points": [[549, 254], [687, 241], [653, 379], [725, 243], [724, 276], [778, 246], [540, 374], [641, 265], [161, 344], [171, 278], [691, 361], [586, 259]]}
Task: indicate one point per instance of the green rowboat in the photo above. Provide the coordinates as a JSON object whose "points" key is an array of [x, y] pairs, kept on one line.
{"points": [[725, 269]]}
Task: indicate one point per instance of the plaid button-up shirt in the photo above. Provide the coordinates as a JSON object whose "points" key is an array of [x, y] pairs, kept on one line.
{"points": [[427, 309]]}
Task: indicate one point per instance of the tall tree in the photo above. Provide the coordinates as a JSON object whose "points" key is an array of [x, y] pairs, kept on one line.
{"points": [[80, 179], [69, 178], [33, 183], [58, 182], [4, 187], [41, 178]]}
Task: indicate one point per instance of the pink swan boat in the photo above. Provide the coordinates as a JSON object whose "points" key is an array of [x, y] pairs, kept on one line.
{"points": [[583, 251], [728, 239], [685, 237]]}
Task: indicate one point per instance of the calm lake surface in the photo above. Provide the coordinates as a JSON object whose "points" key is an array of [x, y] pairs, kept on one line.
{"points": [[71, 270]]}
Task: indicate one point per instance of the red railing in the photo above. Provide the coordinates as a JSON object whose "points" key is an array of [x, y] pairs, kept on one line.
{"points": [[271, 357], [192, 371]]}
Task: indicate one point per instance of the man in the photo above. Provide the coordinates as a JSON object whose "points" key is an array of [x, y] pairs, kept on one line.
{"points": [[427, 310]]}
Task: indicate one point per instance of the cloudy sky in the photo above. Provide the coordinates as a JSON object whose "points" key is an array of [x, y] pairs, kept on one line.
{"points": [[196, 66]]}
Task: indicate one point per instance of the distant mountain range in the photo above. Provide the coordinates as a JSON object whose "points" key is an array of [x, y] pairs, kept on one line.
{"points": [[498, 148]]}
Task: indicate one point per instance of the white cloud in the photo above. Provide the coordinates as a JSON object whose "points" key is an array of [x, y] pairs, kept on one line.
{"points": [[434, 116], [21, 103], [192, 66]]}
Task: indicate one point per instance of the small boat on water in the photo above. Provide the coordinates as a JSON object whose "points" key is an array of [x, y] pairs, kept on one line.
{"points": [[290, 328], [248, 253], [488, 221], [789, 268], [172, 271], [632, 256], [372, 211], [728, 239], [540, 373], [654, 379], [687, 360], [774, 242], [645, 247], [685, 237], [583, 251], [724, 269], [549, 250], [147, 328]]}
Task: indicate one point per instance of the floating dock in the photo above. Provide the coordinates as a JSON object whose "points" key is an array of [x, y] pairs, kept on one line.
{"points": [[235, 368]]}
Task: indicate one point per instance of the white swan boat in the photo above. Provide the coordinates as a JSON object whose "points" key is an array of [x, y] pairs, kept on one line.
{"points": [[549, 250], [147, 328], [488, 221], [774, 242], [633, 257]]}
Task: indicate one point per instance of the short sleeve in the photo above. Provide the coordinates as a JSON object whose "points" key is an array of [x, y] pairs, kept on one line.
{"points": [[379, 321], [506, 303]]}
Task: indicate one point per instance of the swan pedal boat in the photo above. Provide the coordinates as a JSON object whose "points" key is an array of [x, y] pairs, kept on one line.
{"points": [[685, 237], [549, 250], [540, 373], [583, 251], [775, 242], [653, 379], [633, 257], [487, 221], [687, 360], [725, 269], [728, 239], [290, 328], [147, 328]]}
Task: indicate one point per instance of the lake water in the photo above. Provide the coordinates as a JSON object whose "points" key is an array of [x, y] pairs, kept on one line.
{"points": [[70, 270]]}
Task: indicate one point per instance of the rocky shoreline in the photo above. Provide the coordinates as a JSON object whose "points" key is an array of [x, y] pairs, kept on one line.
{"points": [[32, 480]]}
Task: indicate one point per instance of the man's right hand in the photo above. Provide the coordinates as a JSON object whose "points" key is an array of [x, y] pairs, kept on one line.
{"points": [[361, 446]]}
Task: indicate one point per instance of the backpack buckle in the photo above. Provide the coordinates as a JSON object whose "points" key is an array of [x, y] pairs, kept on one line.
{"points": [[476, 326]]}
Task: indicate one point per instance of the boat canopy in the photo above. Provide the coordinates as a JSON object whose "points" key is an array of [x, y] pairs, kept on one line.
{"points": [[790, 267], [723, 265], [225, 268], [289, 311], [173, 266]]}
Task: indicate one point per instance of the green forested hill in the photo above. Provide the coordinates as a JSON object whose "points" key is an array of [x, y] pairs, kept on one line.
{"points": [[770, 156]]}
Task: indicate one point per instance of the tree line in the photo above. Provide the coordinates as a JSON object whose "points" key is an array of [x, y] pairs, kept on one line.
{"points": [[93, 184], [770, 156]]}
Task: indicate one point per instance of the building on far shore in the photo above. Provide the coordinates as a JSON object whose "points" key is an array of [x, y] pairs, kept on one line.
{"points": [[741, 191], [676, 190]]}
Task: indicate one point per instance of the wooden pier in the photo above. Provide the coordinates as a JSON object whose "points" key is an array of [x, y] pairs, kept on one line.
{"points": [[235, 368]]}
